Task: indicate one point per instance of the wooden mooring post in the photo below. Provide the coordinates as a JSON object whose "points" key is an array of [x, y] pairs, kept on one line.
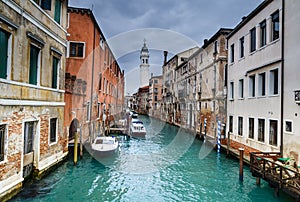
{"points": [[241, 175], [81, 146], [228, 143], [75, 148]]}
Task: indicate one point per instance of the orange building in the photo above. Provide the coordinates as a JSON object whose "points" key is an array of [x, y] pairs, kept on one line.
{"points": [[94, 81]]}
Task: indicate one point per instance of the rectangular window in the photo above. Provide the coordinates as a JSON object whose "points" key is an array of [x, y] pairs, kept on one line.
{"points": [[230, 124], [216, 47], [29, 133], [252, 39], [225, 75], [88, 111], [232, 53], [155, 98], [261, 130], [273, 133], [44, 4], [98, 109], [274, 82], [275, 25], [4, 37], [53, 130], [242, 47], [100, 82], [251, 128], [77, 49], [241, 88], [2, 141], [34, 64], [263, 33], [252, 86], [262, 84], [57, 11], [240, 126], [55, 68], [231, 90], [288, 126]]}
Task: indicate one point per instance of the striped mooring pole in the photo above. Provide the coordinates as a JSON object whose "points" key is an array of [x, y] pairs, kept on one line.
{"points": [[219, 136]]}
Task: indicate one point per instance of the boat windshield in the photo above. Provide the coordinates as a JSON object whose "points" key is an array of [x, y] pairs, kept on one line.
{"points": [[101, 141]]}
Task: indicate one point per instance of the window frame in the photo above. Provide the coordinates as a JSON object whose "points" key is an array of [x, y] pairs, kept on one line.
{"points": [[262, 84], [253, 40], [276, 135], [242, 47], [251, 88], [285, 128], [232, 53], [273, 83], [50, 140], [230, 123], [240, 125], [263, 139], [39, 60], [76, 56], [231, 90], [4, 143], [241, 88], [263, 33], [8, 54], [275, 32], [251, 129]]}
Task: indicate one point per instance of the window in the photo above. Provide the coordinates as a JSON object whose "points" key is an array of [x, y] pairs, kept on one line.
{"points": [[263, 33], [88, 111], [240, 126], [155, 98], [55, 68], [288, 126], [201, 58], [29, 133], [225, 75], [273, 133], [231, 90], [242, 52], [251, 128], [98, 109], [230, 124], [4, 42], [262, 84], [252, 39], [241, 88], [261, 130], [155, 81], [100, 82], [77, 49], [216, 47], [274, 82], [2, 141], [252, 86], [57, 11], [275, 25], [53, 130], [44, 4], [232, 53], [34, 65]]}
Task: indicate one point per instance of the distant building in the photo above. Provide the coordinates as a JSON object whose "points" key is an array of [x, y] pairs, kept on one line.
{"points": [[254, 79], [144, 66], [172, 88], [141, 98], [155, 96], [94, 81], [32, 68]]}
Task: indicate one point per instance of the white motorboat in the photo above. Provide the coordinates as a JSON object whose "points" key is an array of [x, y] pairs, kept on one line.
{"points": [[137, 128], [103, 146]]}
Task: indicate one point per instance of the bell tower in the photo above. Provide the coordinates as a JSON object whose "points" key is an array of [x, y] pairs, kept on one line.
{"points": [[144, 66]]}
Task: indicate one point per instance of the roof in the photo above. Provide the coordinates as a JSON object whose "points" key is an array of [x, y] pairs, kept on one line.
{"points": [[246, 19], [221, 31]]}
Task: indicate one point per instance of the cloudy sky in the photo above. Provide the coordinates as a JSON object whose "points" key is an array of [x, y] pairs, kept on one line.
{"points": [[172, 25]]}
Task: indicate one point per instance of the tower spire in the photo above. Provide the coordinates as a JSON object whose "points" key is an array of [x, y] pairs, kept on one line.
{"points": [[144, 65]]}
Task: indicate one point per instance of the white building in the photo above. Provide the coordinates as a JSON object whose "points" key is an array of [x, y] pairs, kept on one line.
{"points": [[254, 78], [144, 66], [291, 85]]}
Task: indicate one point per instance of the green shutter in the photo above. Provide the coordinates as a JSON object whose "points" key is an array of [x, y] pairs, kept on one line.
{"points": [[54, 72], [3, 53], [34, 54], [57, 11]]}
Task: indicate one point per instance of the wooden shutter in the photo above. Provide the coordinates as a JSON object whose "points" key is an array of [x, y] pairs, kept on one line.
{"points": [[33, 69], [3, 53], [57, 11], [54, 72]]}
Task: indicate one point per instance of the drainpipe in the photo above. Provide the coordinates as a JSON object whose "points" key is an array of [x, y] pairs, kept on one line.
{"points": [[92, 81], [282, 78]]}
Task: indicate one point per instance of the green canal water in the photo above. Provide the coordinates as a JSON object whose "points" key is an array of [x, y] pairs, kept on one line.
{"points": [[168, 165]]}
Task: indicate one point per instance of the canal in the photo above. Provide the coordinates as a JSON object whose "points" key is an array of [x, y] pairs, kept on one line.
{"points": [[168, 165]]}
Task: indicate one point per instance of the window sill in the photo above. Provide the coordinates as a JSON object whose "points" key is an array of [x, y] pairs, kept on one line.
{"points": [[241, 98], [275, 95], [261, 96], [52, 143], [251, 98]]}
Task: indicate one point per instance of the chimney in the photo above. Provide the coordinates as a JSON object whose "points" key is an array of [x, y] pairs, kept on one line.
{"points": [[165, 57], [205, 41]]}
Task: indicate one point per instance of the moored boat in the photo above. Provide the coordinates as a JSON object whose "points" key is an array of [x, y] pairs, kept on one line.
{"points": [[137, 128]]}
